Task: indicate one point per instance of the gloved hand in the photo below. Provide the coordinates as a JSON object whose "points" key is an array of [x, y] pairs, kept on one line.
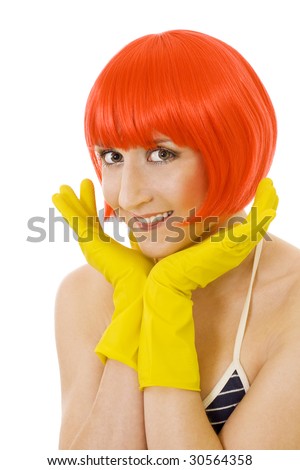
{"points": [[126, 269], [167, 353]]}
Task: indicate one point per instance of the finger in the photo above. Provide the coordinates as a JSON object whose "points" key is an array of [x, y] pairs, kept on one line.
{"points": [[262, 187], [265, 194], [66, 210], [253, 231], [262, 224], [71, 198], [87, 197], [266, 198], [270, 202]]}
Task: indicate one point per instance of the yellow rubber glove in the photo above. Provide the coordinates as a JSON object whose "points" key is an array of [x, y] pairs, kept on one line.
{"points": [[167, 353], [126, 269]]}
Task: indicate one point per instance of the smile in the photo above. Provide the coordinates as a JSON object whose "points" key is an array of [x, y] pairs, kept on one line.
{"points": [[148, 223]]}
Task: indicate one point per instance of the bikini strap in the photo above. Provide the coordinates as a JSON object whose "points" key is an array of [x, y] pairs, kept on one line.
{"points": [[245, 311]]}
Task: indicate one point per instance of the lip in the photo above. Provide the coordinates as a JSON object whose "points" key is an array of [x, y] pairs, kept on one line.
{"points": [[151, 226], [146, 216]]}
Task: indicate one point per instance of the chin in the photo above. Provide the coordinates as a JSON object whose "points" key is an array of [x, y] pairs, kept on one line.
{"points": [[158, 250]]}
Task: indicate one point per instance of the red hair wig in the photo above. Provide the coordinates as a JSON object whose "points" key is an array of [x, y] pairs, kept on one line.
{"points": [[202, 94]]}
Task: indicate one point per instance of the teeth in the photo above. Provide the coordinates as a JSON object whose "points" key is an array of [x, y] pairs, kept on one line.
{"points": [[154, 218]]}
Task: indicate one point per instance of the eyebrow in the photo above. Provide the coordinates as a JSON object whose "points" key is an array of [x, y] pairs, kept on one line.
{"points": [[163, 141], [98, 148]]}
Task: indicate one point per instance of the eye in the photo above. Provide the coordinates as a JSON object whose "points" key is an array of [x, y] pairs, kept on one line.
{"points": [[109, 157], [161, 155]]}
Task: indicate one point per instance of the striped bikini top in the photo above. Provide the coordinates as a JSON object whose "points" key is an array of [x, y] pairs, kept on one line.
{"points": [[233, 385]]}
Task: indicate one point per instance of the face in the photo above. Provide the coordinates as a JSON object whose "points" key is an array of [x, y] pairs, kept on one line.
{"points": [[154, 191]]}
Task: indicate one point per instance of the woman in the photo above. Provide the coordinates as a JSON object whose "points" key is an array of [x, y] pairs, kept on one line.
{"points": [[182, 133]]}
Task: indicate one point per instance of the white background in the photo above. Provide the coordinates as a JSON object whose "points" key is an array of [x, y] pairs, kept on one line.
{"points": [[51, 54]]}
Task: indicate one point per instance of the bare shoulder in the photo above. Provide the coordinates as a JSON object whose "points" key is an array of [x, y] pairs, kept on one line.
{"points": [[281, 264], [83, 310], [286, 254], [280, 275], [269, 414], [84, 300]]}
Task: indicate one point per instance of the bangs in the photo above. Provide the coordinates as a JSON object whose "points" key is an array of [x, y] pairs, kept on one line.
{"points": [[143, 90]]}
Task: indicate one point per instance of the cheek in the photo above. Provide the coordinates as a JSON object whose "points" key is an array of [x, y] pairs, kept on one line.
{"points": [[189, 189], [110, 191]]}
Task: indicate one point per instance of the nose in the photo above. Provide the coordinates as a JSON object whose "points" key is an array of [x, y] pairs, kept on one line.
{"points": [[135, 187]]}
